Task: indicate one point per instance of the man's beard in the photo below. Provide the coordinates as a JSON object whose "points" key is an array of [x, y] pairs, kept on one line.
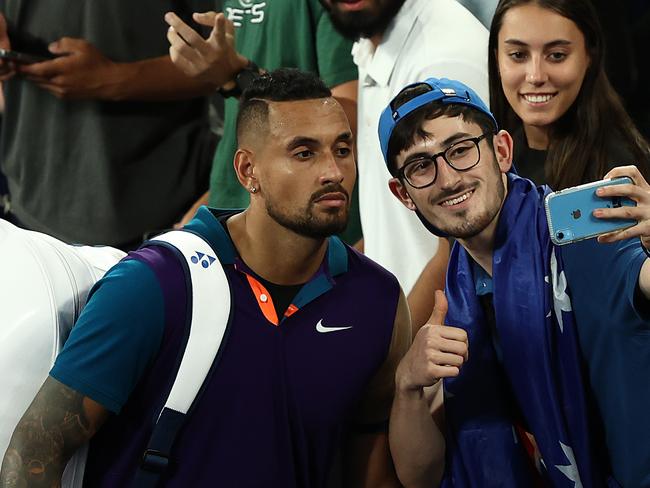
{"points": [[466, 229], [307, 224], [354, 25]]}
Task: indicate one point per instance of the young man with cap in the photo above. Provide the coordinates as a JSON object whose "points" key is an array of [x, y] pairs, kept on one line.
{"points": [[400, 42], [518, 406], [316, 330]]}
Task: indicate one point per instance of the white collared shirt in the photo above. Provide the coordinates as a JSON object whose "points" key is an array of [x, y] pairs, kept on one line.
{"points": [[438, 38]]}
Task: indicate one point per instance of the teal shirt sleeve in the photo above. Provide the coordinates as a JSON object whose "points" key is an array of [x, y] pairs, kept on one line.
{"points": [[334, 52], [116, 337]]}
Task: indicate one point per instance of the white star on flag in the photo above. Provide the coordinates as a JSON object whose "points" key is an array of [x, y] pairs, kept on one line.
{"points": [[570, 470], [561, 301]]}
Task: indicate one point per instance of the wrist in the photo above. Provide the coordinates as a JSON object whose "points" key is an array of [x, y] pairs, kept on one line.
{"points": [[241, 81], [228, 86], [241, 63], [410, 395], [405, 387], [115, 81]]}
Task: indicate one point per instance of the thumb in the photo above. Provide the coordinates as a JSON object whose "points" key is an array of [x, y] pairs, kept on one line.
{"points": [[64, 45], [439, 309]]}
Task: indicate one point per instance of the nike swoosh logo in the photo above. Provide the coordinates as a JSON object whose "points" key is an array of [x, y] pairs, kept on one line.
{"points": [[321, 328]]}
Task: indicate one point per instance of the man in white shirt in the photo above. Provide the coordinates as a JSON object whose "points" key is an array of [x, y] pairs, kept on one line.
{"points": [[482, 9], [401, 42]]}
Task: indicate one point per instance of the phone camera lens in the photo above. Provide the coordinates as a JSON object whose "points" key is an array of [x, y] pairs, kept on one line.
{"points": [[560, 235]]}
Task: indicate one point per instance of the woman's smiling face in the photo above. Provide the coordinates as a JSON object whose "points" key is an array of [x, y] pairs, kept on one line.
{"points": [[542, 60]]}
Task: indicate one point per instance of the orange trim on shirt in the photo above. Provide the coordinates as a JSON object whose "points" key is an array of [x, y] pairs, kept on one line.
{"points": [[266, 306], [291, 309]]}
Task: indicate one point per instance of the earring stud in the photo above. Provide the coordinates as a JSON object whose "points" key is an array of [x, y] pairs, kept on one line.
{"points": [[253, 189]]}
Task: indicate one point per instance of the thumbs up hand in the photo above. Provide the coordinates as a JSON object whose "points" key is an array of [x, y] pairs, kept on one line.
{"points": [[438, 351]]}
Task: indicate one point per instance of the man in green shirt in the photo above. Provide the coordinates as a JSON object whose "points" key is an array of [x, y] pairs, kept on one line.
{"points": [[282, 33]]}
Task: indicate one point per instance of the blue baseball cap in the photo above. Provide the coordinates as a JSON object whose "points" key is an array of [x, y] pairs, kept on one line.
{"points": [[442, 89]]}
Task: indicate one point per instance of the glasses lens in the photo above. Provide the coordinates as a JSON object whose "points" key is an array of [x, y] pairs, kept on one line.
{"points": [[420, 172], [463, 154]]}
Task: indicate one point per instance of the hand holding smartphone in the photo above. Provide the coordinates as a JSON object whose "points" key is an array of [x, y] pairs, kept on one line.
{"points": [[570, 212], [23, 57], [22, 47]]}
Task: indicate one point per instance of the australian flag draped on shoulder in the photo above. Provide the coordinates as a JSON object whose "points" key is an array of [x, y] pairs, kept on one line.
{"points": [[520, 418]]}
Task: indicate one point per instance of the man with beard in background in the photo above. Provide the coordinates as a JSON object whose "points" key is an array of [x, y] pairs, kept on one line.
{"points": [[400, 42]]}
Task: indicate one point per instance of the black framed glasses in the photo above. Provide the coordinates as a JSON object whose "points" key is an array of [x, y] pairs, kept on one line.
{"points": [[462, 156]]}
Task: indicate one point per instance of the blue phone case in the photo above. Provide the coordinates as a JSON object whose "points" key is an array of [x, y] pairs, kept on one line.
{"points": [[569, 212]]}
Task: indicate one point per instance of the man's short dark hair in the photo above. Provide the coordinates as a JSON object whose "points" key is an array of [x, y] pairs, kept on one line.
{"points": [[410, 127], [281, 85]]}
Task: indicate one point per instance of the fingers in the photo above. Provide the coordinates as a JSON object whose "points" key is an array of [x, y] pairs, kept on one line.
{"points": [[639, 192], [453, 340], [230, 29], [445, 361], [631, 171], [176, 41], [444, 339], [632, 191], [7, 69], [623, 212], [437, 351], [4, 37], [440, 358], [53, 88], [639, 230], [218, 34], [6, 73], [44, 70], [439, 309], [204, 18], [445, 372], [67, 45], [186, 33]]}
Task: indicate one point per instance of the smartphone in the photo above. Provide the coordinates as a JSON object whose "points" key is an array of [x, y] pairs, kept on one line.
{"points": [[569, 212], [24, 58]]}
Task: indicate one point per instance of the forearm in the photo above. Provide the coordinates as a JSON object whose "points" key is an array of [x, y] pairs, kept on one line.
{"points": [[55, 425], [34, 458], [151, 80], [416, 443], [36, 455]]}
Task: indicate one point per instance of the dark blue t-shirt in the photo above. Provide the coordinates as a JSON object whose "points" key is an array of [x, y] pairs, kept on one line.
{"points": [[614, 333], [613, 322]]}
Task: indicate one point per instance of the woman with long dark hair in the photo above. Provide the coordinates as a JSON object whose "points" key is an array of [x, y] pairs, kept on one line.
{"points": [[549, 88]]}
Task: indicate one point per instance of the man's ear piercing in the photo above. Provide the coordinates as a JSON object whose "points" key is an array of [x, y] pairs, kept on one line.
{"points": [[253, 189]]}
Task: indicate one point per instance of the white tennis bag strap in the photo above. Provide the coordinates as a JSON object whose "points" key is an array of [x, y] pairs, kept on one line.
{"points": [[208, 325]]}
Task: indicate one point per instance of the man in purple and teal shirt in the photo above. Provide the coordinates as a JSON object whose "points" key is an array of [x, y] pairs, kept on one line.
{"points": [[315, 335]]}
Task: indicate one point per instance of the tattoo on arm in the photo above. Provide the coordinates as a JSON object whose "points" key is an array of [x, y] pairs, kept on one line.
{"points": [[55, 425]]}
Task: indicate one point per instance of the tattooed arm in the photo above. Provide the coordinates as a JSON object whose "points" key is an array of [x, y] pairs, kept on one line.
{"points": [[58, 421]]}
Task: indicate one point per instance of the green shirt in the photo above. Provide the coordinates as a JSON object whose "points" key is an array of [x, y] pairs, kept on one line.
{"points": [[274, 34]]}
